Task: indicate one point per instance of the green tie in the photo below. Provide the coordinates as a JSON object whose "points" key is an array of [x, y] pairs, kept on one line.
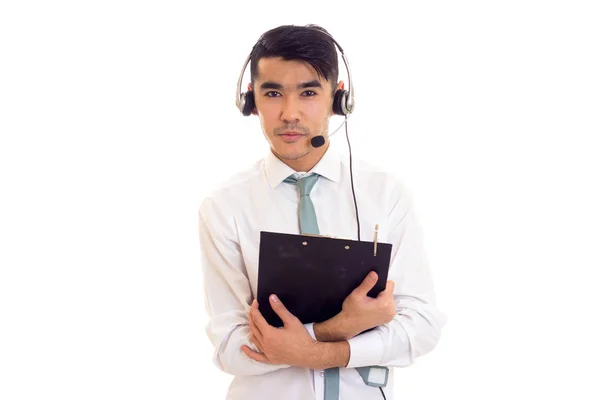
{"points": [[308, 218], [308, 224]]}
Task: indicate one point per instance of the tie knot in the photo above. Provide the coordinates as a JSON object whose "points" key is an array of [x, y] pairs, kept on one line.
{"points": [[305, 184]]}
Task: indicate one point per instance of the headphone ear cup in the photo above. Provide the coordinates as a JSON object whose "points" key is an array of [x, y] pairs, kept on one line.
{"points": [[339, 100], [249, 105]]}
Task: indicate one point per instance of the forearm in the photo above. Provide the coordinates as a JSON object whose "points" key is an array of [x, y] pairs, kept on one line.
{"points": [[330, 355], [330, 350], [229, 357], [227, 293], [411, 334], [334, 329]]}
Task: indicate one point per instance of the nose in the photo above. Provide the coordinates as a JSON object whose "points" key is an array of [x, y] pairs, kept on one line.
{"points": [[290, 112]]}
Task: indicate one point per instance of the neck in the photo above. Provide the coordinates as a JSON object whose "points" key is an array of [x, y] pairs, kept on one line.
{"points": [[307, 162]]}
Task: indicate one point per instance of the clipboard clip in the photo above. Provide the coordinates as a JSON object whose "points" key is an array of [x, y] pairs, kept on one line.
{"points": [[316, 235], [324, 236]]}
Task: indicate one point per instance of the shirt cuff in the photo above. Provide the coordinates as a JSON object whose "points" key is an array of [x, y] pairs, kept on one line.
{"points": [[366, 349], [311, 330]]}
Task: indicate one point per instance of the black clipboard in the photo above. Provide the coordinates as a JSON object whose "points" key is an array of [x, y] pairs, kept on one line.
{"points": [[313, 275]]}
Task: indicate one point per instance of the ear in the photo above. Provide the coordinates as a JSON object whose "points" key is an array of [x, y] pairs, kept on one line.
{"points": [[340, 85], [249, 86]]}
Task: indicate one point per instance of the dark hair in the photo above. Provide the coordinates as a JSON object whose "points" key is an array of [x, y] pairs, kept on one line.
{"points": [[310, 43]]}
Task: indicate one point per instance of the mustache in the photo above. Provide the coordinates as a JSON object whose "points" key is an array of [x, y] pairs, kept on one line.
{"points": [[298, 128]]}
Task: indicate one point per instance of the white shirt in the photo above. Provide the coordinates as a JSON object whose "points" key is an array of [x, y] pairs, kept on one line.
{"points": [[231, 219]]}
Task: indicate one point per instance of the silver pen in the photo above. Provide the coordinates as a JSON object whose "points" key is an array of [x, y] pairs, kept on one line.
{"points": [[375, 240]]}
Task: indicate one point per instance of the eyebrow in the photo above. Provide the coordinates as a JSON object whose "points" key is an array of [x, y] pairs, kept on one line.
{"points": [[278, 86]]}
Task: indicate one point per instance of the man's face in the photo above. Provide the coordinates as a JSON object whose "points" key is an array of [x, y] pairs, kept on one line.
{"points": [[294, 105]]}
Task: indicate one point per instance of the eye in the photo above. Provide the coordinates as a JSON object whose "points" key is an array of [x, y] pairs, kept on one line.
{"points": [[309, 93], [272, 94]]}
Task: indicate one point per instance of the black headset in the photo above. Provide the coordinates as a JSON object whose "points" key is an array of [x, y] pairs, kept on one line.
{"points": [[343, 100]]}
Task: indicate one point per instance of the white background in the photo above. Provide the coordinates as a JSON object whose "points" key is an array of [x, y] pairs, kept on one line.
{"points": [[117, 118]]}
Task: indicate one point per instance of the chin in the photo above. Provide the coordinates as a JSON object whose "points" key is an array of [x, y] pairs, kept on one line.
{"points": [[290, 154]]}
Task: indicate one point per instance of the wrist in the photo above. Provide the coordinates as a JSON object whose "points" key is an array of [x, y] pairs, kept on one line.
{"points": [[349, 326], [334, 329], [331, 355]]}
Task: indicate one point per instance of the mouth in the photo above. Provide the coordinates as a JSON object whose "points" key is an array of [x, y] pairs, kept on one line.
{"points": [[291, 136]]}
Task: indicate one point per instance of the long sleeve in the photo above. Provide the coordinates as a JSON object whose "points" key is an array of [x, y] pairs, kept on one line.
{"points": [[228, 295], [416, 328]]}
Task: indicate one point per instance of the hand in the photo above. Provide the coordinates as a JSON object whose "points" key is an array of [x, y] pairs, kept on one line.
{"points": [[290, 344], [361, 312]]}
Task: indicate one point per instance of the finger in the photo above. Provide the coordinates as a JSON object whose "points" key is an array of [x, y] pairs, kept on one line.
{"points": [[389, 290], [259, 321], [250, 313], [390, 285], [257, 342], [254, 355], [367, 284], [283, 313], [254, 329]]}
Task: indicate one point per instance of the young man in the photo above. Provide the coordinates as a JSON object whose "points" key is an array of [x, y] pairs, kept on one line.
{"points": [[294, 71]]}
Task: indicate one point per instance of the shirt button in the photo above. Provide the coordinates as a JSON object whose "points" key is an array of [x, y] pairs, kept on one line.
{"points": [[322, 373]]}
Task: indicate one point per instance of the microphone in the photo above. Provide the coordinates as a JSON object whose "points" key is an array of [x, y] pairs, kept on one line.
{"points": [[319, 140]]}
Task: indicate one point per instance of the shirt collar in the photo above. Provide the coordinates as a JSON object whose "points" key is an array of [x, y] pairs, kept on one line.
{"points": [[329, 166]]}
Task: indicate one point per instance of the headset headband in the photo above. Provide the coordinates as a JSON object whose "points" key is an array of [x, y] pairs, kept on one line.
{"points": [[346, 99]]}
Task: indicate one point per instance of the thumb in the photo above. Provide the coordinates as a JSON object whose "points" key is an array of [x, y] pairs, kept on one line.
{"points": [[367, 284], [283, 313]]}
